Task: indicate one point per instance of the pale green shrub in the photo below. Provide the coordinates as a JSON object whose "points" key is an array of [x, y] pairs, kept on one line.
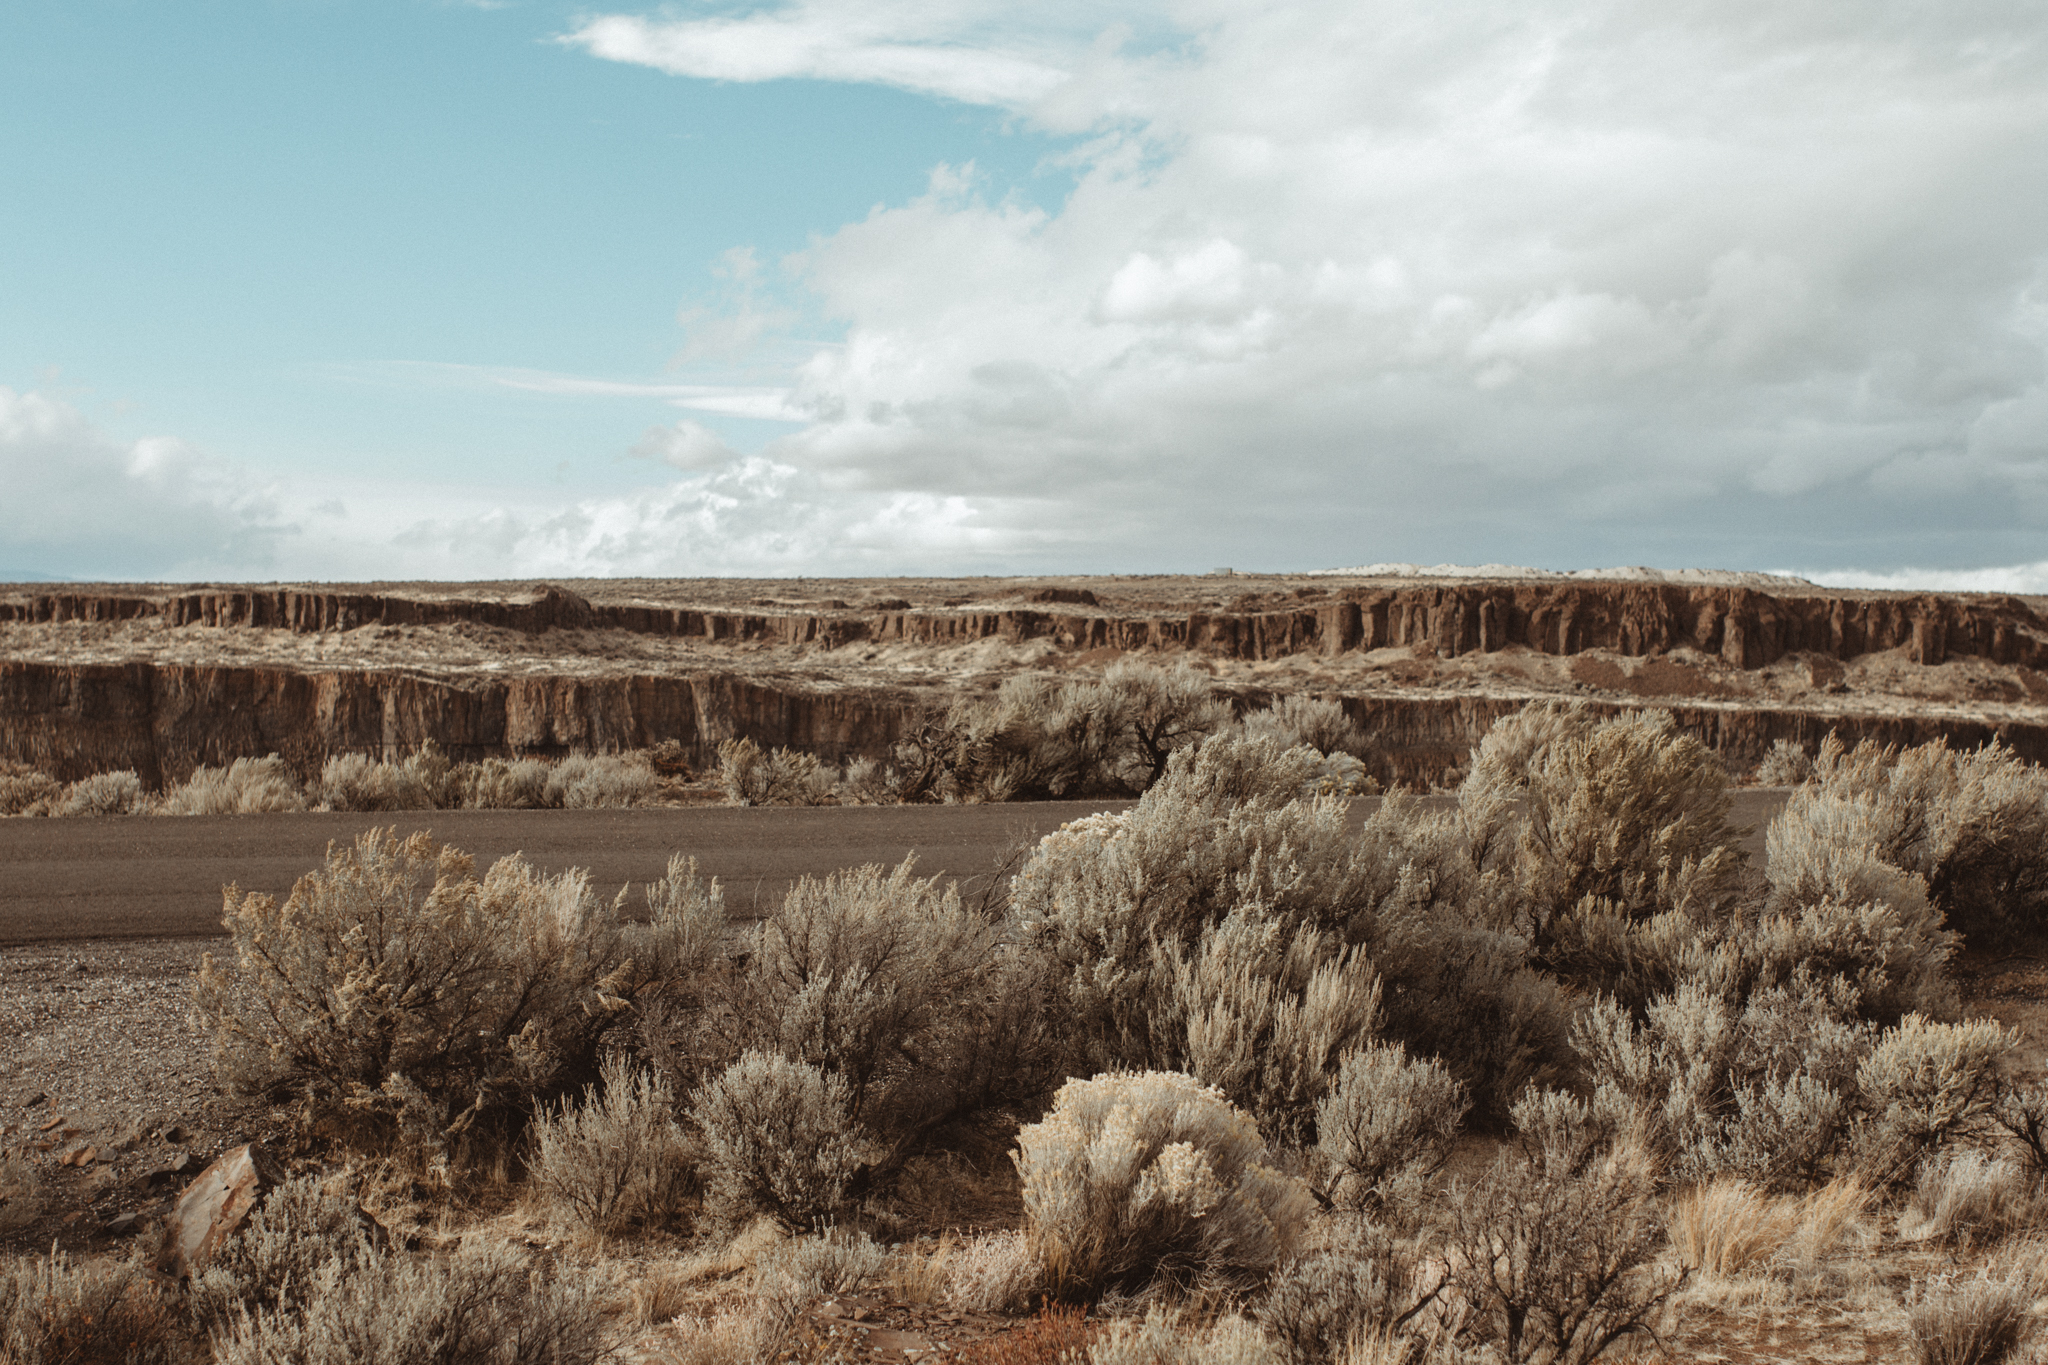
{"points": [[395, 989], [479, 1307], [247, 786], [1559, 1250], [1922, 1084], [104, 794], [57, 1311], [783, 777], [616, 1158], [870, 974], [1137, 1178], [778, 1137], [423, 780], [273, 1264], [1387, 1124], [601, 781]]}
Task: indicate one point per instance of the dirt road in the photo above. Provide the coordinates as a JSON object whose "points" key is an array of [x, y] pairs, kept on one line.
{"points": [[161, 876]]}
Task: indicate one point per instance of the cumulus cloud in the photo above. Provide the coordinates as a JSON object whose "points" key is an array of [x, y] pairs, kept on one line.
{"points": [[1738, 283]]}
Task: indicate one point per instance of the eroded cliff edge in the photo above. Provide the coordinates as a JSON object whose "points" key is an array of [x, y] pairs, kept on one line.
{"points": [[162, 679]]}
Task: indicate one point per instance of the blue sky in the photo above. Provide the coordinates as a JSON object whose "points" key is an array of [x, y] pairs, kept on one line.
{"points": [[397, 288]]}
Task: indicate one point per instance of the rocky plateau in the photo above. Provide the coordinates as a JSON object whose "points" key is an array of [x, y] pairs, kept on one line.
{"points": [[161, 678]]}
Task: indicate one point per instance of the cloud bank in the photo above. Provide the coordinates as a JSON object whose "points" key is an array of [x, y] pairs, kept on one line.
{"points": [[1739, 283]]}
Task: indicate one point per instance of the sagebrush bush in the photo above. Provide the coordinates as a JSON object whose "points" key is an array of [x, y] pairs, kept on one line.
{"points": [[397, 993], [1629, 811], [601, 781], [1263, 1015], [423, 780], [777, 1137], [505, 784], [274, 1262], [104, 794], [878, 976], [1141, 1178], [615, 1158], [1923, 1083], [1972, 826], [478, 1307], [26, 791], [781, 777], [1786, 765], [1388, 1122], [247, 786], [993, 1272], [1320, 723], [797, 1273], [58, 1311]]}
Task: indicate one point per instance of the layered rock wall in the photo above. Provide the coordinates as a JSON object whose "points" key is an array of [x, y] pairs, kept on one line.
{"points": [[1745, 627]]}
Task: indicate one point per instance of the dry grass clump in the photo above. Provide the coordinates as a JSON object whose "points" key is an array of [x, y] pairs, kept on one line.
{"points": [[1968, 1198], [58, 1311], [1978, 1319], [1165, 1336], [1136, 1178], [1729, 1227]]}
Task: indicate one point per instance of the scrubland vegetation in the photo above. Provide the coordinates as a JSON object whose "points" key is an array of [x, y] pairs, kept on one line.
{"points": [[1543, 1076]]}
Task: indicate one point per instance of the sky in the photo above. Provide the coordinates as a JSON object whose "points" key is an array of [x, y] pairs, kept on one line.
{"points": [[466, 289]]}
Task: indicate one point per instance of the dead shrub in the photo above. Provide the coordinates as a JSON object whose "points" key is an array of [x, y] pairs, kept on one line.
{"points": [[777, 1137], [616, 1158], [1557, 1254], [1148, 1178], [479, 1307], [396, 994], [1365, 1289], [57, 1311], [247, 786], [105, 794], [1386, 1125], [782, 777]]}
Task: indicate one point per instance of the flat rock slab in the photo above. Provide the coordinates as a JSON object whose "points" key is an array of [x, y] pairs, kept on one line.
{"points": [[214, 1206]]}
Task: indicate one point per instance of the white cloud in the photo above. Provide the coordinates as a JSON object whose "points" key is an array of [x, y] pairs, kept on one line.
{"points": [[83, 504], [1744, 282], [2015, 578]]}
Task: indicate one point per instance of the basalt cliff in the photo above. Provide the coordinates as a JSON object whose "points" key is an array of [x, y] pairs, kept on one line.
{"points": [[163, 679]]}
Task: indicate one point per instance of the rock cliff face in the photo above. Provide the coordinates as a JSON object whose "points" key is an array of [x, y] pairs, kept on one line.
{"points": [[163, 716], [1745, 627]]}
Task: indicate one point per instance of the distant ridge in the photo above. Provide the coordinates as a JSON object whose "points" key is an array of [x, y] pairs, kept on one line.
{"points": [[1633, 573], [30, 576]]}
